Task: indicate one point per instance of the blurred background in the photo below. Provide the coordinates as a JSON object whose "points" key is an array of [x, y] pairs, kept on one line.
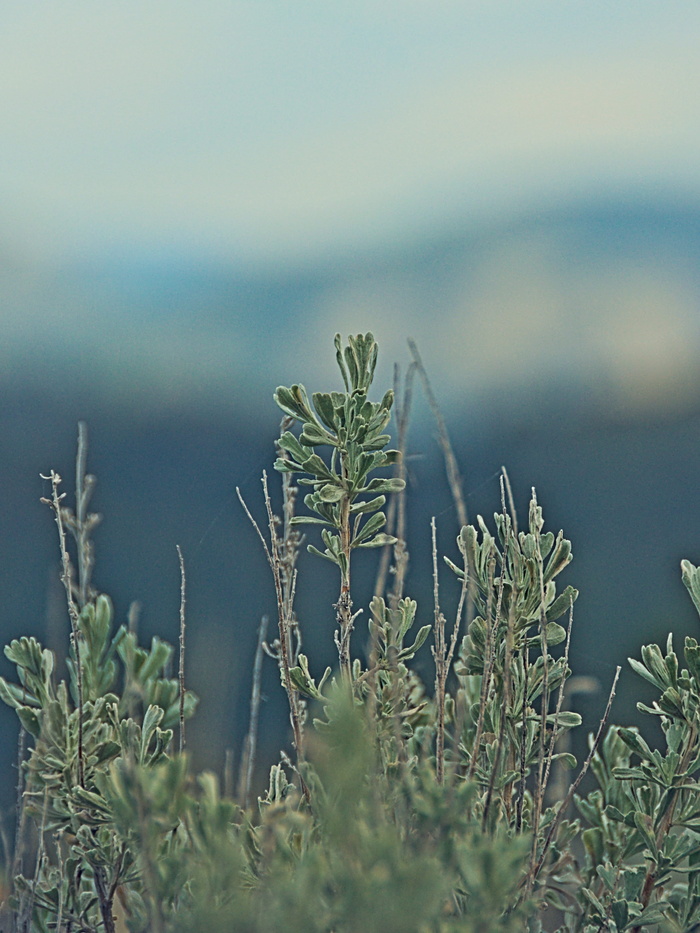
{"points": [[194, 198]]}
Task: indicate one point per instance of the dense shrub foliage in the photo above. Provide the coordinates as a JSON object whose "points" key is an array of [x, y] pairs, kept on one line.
{"points": [[400, 806]]}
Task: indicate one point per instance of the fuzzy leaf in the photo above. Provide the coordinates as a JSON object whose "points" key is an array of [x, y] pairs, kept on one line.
{"points": [[29, 720], [380, 540], [691, 578], [372, 525], [407, 653], [370, 506], [314, 550], [562, 603], [293, 401], [331, 493]]}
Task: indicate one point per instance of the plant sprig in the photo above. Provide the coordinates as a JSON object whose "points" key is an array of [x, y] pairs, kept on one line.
{"points": [[352, 427]]}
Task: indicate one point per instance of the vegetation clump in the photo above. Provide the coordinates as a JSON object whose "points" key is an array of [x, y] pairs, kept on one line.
{"points": [[400, 806]]}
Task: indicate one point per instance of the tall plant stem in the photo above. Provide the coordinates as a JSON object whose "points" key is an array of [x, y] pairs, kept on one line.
{"points": [[396, 513], [536, 868], [66, 578], [667, 820], [443, 655], [273, 558], [245, 779], [181, 665], [344, 604], [453, 477]]}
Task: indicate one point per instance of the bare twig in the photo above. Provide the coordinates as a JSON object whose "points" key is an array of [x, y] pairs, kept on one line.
{"points": [[291, 541], [439, 652], [538, 798], [488, 668], [396, 512], [181, 666], [228, 773], [66, 578], [511, 504], [507, 681], [532, 875], [273, 558], [21, 816], [344, 614], [453, 477], [560, 697], [28, 909], [248, 760], [84, 522]]}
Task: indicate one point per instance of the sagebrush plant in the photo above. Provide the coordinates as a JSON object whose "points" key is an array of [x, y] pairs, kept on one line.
{"points": [[397, 807]]}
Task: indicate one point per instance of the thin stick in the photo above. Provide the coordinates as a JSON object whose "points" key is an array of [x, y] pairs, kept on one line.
{"points": [[248, 761], [21, 821], [538, 797], [181, 668], [574, 787], [273, 558], [289, 549], [489, 659], [560, 696], [511, 504], [228, 773], [55, 503], [507, 683], [40, 856], [453, 477], [84, 523], [439, 653], [396, 512]]}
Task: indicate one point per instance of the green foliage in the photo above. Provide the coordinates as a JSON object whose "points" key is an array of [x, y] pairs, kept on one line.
{"points": [[399, 809]]}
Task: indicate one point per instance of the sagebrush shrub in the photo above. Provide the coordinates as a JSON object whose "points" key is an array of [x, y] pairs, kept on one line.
{"points": [[401, 806]]}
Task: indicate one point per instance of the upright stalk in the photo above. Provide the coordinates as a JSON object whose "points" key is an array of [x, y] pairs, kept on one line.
{"points": [[66, 578], [273, 557], [344, 604]]}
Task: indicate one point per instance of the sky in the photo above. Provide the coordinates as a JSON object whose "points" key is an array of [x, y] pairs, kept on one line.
{"points": [[269, 133]]}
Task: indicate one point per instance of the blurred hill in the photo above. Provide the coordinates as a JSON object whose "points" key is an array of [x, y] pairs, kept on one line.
{"points": [[562, 343]]}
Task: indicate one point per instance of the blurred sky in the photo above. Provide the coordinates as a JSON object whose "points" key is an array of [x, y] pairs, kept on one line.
{"points": [[273, 132], [223, 184]]}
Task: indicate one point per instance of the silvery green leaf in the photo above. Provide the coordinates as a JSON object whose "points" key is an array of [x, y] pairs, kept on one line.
{"points": [[376, 443], [640, 669], [331, 493], [370, 506], [566, 719], [29, 720], [372, 525], [313, 434], [323, 403], [286, 466], [388, 400], [562, 603], [407, 653], [634, 740], [290, 443], [293, 401], [691, 578], [407, 609], [560, 558], [378, 541], [389, 484], [454, 568], [327, 554]]}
